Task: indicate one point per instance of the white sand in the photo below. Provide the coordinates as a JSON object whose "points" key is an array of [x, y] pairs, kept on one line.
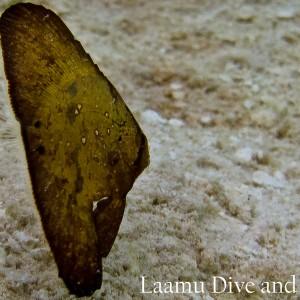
{"points": [[215, 85]]}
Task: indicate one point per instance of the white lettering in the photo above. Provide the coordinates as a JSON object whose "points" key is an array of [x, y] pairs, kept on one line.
{"points": [[157, 287], [278, 287], [183, 285], [265, 287], [293, 283], [143, 286], [247, 288], [201, 283], [216, 286], [168, 288], [220, 285]]}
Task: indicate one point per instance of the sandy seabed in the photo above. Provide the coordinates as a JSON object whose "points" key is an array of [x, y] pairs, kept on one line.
{"points": [[215, 85]]}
